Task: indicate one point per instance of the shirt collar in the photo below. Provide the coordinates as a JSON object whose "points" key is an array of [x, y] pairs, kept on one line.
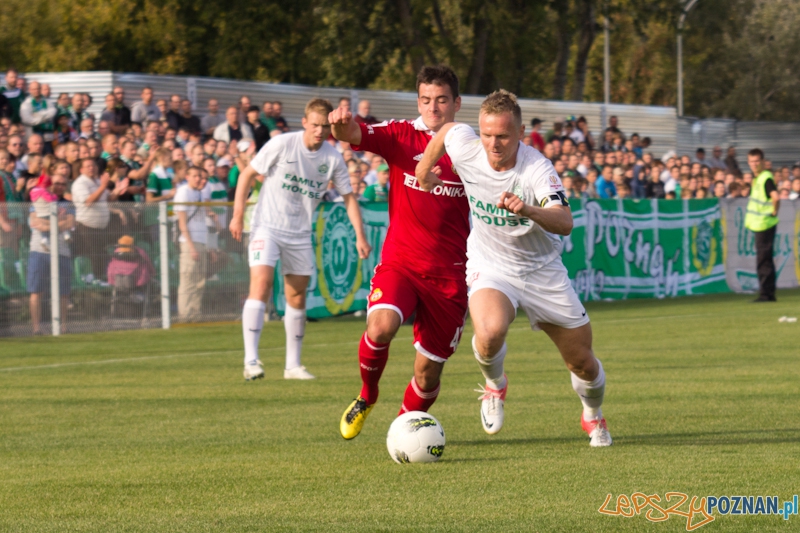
{"points": [[419, 125]]}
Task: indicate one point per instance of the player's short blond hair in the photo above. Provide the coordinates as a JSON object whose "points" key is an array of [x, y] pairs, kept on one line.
{"points": [[318, 105], [502, 101]]}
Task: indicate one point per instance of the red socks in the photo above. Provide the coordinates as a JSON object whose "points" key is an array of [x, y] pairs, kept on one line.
{"points": [[372, 359], [416, 399]]}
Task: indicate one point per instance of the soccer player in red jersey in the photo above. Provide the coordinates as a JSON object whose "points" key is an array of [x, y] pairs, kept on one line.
{"points": [[424, 255]]}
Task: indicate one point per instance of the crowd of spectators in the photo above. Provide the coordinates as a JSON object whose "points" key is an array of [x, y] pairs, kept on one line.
{"points": [[621, 166], [104, 168], [53, 150]]}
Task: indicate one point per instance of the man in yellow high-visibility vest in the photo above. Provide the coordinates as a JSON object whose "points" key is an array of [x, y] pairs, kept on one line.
{"points": [[762, 220]]}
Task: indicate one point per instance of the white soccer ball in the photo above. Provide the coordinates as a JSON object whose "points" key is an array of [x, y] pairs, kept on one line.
{"points": [[415, 437]]}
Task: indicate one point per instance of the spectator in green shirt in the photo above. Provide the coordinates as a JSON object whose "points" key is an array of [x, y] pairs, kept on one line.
{"points": [[379, 192]]}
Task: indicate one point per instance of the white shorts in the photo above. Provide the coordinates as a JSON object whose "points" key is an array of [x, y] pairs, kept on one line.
{"points": [[546, 295], [296, 257]]}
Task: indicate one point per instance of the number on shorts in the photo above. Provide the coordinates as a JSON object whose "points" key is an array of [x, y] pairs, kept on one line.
{"points": [[456, 338]]}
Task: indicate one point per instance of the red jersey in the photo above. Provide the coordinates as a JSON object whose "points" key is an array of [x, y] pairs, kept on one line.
{"points": [[427, 230]]}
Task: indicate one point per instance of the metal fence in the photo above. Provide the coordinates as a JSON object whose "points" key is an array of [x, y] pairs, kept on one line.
{"points": [[70, 268]]}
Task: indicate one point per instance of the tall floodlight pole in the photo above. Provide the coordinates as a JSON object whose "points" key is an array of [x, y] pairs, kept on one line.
{"points": [[686, 8], [606, 71]]}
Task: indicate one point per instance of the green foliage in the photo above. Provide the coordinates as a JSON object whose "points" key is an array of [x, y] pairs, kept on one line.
{"points": [[740, 56]]}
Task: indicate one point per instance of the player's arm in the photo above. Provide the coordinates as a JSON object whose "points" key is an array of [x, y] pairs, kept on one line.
{"points": [[343, 127], [555, 218], [427, 172], [240, 200], [354, 214]]}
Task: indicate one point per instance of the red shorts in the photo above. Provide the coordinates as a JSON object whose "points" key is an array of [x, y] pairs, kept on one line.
{"points": [[440, 303]]}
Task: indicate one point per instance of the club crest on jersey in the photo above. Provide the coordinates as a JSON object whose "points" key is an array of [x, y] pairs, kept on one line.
{"points": [[418, 157], [376, 295], [517, 191], [323, 168]]}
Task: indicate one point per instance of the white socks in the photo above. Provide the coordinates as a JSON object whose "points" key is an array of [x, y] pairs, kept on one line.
{"points": [[591, 393], [294, 321], [252, 323], [492, 369]]}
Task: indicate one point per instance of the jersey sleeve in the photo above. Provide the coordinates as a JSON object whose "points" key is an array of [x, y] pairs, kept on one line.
{"points": [[340, 176], [545, 185], [379, 139], [152, 183], [181, 195], [267, 157], [769, 186], [461, 142]]}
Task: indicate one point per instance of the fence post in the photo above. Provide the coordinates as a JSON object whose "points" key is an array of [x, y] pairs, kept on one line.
{"points": [[163, 242], [55, 287]]}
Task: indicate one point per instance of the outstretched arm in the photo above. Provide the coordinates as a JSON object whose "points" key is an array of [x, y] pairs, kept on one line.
{"points": [[555, 219], [354, 214], [426, 171], [240, 200], [343, 127]]}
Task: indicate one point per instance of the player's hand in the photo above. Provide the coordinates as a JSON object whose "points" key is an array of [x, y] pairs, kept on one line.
{"points": [[363, 248], [236, 226], [431, 179], [5, 226], [340, 117], [511, 202]]}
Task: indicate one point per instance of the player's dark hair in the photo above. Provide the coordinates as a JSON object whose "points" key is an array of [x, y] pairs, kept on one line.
{"points": [[756, 152], [440, 75]]}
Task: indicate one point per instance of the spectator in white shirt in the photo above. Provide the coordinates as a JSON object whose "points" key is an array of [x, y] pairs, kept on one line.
{"points": [[232, 130], [193, 243], [91, 196]]}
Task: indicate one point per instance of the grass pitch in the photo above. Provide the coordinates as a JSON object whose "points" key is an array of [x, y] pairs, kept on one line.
{"points": [[157, 431]]}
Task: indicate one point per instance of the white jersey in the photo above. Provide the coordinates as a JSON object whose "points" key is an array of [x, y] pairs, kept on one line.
{"points": [[295, 179], [508, 244]]}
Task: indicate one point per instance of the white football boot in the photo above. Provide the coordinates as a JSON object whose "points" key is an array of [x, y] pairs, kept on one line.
{"points": [[492, 402], [598, 432], [253, 371], [298, 372]]}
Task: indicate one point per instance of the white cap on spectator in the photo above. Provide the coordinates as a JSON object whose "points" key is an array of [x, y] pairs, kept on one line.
{"points": [[243, 146], [224, 162]]}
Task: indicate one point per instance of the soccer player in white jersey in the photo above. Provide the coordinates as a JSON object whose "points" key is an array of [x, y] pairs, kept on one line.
{"points": [[518, 210], [296, 168]]}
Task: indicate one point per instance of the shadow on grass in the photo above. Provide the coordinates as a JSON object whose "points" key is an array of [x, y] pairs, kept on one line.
{"points": [[703, 438]]}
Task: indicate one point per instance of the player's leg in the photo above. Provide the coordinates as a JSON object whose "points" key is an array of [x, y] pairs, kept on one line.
{"points": [[391, 299], [261, 277], [562, 316], [294, 322], [588, 377], [492, 312], [373, 350], [263, 254], [423, 389], [438, 326]]}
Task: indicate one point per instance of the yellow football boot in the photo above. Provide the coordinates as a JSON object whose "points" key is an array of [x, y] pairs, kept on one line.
{"points": [[353, 418]]}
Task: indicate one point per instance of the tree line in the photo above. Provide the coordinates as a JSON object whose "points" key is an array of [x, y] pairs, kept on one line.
{"points": [[739, 55]]}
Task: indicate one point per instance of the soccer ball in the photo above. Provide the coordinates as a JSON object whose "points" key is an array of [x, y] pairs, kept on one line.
{"points": [[415, 437]]}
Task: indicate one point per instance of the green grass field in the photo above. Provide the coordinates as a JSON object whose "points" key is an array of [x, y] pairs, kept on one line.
{"points": [[157, 431]]}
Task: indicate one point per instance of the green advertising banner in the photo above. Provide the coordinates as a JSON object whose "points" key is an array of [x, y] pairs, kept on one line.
{"points": [[617, 250], [645, 248], [341, 283]]}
